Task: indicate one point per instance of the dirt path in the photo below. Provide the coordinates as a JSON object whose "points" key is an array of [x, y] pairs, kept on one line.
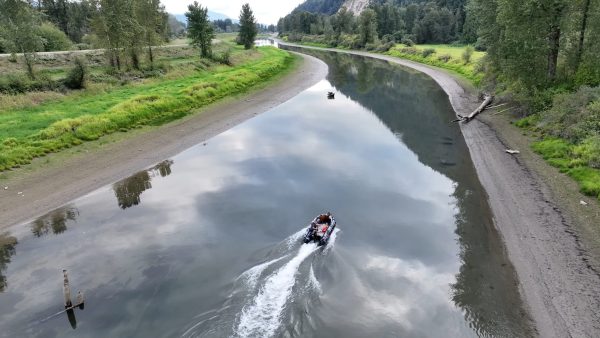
{"points": [[557, 268], [33, 193]]}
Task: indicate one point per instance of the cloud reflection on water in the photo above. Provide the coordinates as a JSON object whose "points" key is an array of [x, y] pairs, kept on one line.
{"points": [[150, 269]]}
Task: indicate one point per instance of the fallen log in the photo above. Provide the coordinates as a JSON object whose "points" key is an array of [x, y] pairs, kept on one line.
{"points": [[486, 102]]}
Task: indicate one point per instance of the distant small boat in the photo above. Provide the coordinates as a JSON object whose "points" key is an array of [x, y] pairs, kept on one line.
{"points": [[320, 229], [331, 95]]}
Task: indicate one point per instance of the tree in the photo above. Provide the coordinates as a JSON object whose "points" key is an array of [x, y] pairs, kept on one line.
{"points": [[247, 27], [200, 29], [115, 25], [152, 18], [18, 30], [367, 27]]}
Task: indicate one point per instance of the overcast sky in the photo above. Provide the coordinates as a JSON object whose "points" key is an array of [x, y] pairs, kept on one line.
{"points": [[265, 11]]}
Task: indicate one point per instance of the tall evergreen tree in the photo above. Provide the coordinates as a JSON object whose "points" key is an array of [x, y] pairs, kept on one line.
{"points": [[248, 29], [200, 29]]}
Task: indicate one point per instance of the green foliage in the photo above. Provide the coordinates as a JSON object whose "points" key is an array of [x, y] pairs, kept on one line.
{"points": [[247, 27], [415, 54], [444, 58], [53, 38], [408, 42], [367, 23], [32, 132], [200, 30], [18, 30], [467, 54], [223, 57], [20, 83], [573, 123], [427, 52], [574, 116], [528, 122], [77, 76]]}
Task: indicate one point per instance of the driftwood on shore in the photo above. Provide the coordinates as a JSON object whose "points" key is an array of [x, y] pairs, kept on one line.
{"points": [[486, 102]]}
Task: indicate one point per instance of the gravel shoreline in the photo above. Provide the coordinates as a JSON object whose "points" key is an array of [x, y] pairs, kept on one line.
{"points": [[558, 276], [42, 187]]}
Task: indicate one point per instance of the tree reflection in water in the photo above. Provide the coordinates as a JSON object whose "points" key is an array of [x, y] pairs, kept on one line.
{"points": [[129, 190], [56, 221], [7, 249]]}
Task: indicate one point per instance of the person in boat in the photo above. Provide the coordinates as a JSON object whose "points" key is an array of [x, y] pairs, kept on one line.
{"points": [[324, 221]]}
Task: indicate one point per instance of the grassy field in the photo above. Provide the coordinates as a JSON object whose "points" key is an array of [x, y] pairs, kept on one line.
{"points": [[443, 56], [29, 130], [448, 57]]}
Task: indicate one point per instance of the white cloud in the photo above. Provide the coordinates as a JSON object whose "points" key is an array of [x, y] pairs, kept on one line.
{"points": [[265, 11]]}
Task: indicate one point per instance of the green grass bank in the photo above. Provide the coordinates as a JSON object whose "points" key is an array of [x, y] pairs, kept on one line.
{"points": [[31, 131]]}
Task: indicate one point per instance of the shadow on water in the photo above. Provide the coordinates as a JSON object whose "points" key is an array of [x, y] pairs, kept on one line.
{"points": [[129, 190], [486, 285], [7, 249]]}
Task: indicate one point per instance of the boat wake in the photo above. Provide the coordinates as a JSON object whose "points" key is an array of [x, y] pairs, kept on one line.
{"points": [[262, 317], [263, 296]]}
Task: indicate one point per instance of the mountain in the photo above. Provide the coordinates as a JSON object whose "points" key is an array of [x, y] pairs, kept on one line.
{"points": [[356, 6], [211, 15], [330, 7], [327, 7]]}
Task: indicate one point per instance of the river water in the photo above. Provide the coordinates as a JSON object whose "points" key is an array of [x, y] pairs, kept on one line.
{"points": [[207, 243]]}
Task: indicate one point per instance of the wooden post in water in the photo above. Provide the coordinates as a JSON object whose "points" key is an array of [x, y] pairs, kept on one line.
{"points": [[67, 290]]}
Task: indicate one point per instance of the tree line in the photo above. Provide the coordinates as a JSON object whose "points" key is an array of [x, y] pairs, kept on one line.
{"points": [[418, 21], [127, 29], [531, 44]]}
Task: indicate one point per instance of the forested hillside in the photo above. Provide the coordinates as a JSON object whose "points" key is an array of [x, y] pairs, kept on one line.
{"points": [[416, 20]]}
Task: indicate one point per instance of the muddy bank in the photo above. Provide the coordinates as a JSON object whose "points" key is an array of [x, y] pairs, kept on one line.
{"points": [[559, 281], [55, 180]]}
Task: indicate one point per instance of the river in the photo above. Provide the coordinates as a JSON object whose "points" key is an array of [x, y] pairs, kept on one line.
{"points": [[208, 243]]}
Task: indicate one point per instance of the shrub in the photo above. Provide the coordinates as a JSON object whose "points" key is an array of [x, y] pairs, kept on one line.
{"points": [[20, 83], [408, 42], [223, 57], [589, 151], [77, 76], [371, 46], [467, 54], [480, 45], [409, 50], [427, 52], [54, 39], [384, 47], [574, 116], [444, 58], [83, 46]]}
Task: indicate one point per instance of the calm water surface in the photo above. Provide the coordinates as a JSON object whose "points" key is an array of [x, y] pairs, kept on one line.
{"points": [[207, 244]]}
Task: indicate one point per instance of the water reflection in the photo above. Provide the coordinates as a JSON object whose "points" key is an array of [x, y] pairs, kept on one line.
{"points": [[416, 250], [485, 286], [129, 190], [55, 221], [7, 249]]}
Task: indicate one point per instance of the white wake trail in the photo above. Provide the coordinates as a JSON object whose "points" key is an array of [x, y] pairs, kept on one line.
{"points": [[314, 282], [251, 275], [262, 317]]}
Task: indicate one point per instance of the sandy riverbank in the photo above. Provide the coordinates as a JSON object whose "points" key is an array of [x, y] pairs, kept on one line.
{"points": [[57, 179], [550, 241]]}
